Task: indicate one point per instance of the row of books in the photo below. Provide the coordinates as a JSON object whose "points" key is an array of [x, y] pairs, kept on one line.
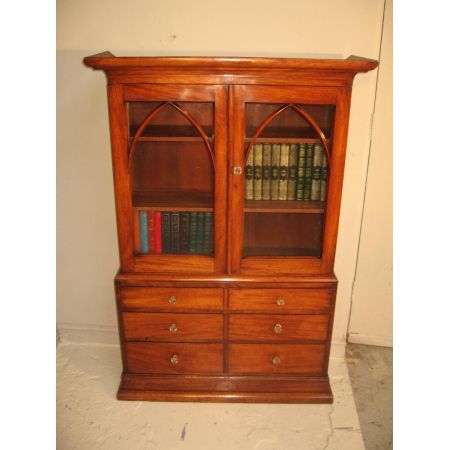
{"points": [[175, 232], [286, 172]]}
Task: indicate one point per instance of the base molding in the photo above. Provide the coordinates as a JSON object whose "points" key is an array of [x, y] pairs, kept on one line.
{"points": [[239, 389]]}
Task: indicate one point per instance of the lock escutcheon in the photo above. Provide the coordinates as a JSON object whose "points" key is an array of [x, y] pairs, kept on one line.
{"points": [[278, 328], [172, 300], [174, 359], [276, 360], [281, 301], [173, 328]]}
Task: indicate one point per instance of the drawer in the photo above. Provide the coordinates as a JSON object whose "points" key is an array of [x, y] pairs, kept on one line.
{"points": [[304, 359], [172, 299], [258, 327], [280, 301], [172, 327], [145, 357]]}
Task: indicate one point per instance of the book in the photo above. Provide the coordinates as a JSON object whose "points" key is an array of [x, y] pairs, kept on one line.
{"points": [[266, 169], [151, 231], [200, 232], [193, 232], [143, 231], [292, 172], [174, 232], [257, 172], [323, 177], [165, 231], [316, 172], [283, 173], [158, 236], [184, 232], [274, 177], [136, 231], [249, 177], [308, 172], [301, 170], [208, 234]]}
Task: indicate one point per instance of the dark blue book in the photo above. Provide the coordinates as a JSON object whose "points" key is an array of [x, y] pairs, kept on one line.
{"points": [[175, 232], [200, 231], [193, 232], [143, 231], [184, 232], [165, 231], [208, 234]]}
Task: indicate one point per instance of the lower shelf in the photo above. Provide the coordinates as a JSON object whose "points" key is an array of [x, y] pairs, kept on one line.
{"points": [[237, 389]]}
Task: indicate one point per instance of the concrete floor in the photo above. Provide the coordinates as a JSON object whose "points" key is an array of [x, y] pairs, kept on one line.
{"points": [[370, 370], [89, 416]]}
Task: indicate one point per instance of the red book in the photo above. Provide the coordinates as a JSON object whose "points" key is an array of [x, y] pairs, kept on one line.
{"points": [[158, 234], [151, 231]]}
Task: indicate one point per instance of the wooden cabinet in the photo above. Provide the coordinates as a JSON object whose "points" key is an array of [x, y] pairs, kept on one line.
{"points": [[228, 176]]}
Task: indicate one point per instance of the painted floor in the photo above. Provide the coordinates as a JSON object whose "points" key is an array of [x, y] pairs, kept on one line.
{"points": [[89, 416]]}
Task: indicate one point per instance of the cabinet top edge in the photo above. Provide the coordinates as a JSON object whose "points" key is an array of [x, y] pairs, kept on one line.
{"points": [[108, 62]]}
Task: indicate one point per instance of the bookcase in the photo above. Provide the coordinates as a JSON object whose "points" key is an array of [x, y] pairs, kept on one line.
{"points": [[228, 176]]}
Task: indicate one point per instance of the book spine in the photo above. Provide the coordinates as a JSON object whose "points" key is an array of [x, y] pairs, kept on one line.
{"points": [[193, 232], [175, 232], [266, 169], [158, 236], [292, 172], [137, 231], [308, 172], [200, 232], [184, 232], [283, 174], [257, 172], [207, 242], [165, 227], [323, 177], [143, 231], [316, 172], [276, 149], [151, 231], [249, 177], [301, 170]]}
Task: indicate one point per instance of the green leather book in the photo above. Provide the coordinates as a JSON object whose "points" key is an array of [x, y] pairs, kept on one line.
{"points": [[249, 177], [274, 176], [193, 232], [165, 231], [308, 172], [292, 172], [301, 170], [208, 234], [184, 232], [323, 177], [266, 169], [174, 232], [316, 172], [200, 231], [283, 174], [257, 172]]}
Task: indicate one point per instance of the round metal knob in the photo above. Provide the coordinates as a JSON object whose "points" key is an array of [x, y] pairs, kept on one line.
{"points": [[281, 301], [172, 300], [173, 328], [276, 360], [278, 328], [237, 170], [174, 359]]}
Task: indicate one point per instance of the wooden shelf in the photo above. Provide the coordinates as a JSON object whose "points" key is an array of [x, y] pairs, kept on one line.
{"points": [[251, 251], [167, 133], [285, 134], [286, 140], [173, 201], [284, 206]]}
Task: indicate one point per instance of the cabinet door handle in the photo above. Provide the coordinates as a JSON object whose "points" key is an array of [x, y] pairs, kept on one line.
{"points": [[278, 328], [173, 328], [281, 301], [276, 360], [237, 170], [174, 359], [172, 300]]}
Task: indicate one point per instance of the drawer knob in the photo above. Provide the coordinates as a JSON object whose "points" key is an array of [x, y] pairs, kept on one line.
{"points": [[172, 300], [173, 328], [281, 301], [278, 328], [174, 359], [276, 360]]}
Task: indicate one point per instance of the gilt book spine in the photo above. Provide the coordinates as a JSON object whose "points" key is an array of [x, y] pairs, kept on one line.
{"points": [[292, 172], [184, 232], [274, 178], [158, 236], [200, 231], [316, 172], [143, 231], [266, 169], [301, 171], [175, 232], [249, 177], [165, 230], [193, 232], [257, 172], [151, 231], [323, 178], [208, 234], [308, 172], [283, 174]]}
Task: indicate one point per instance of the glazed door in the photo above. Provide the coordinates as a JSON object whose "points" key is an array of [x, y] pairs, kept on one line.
{"points": [[170, 172], [287, 163]]}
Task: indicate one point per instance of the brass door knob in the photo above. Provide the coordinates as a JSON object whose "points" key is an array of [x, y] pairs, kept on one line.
{"points": [[237, 170], [172, 300], [174, 359], [281, 301], [278, 328], [173, 328], [276, 360]]}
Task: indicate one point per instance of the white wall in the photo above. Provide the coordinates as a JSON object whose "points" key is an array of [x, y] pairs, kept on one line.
{"points": [[87, 244]]}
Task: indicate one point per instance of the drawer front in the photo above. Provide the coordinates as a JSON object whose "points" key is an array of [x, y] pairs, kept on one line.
{"points": [[256, 327], [145, 357], [172, 327], [281, 301], [172, 299], [304, 359]]}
